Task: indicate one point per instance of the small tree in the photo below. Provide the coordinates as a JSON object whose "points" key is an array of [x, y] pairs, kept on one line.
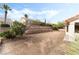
{"points": [[45, 21], [6, 8], [26, 19], [26, 15], [55, 26], [36, 22], [18, 28], [60, 25], [15, 30]]}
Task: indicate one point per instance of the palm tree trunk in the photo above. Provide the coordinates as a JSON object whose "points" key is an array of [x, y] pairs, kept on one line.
{"points": [[5, 17]]}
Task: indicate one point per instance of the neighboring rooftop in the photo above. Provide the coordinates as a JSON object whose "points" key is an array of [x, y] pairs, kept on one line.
{"points": [[73, 18]]}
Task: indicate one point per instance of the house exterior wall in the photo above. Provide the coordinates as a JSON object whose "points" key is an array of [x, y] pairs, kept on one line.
{"points": [[8, 21], [23, 20], [76, 34], [71, 31]]}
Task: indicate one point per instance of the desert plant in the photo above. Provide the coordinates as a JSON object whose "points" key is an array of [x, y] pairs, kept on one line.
{"points": [[42, 24], [6, 8], [60, 25], [48, 24], [7, 34], [36, 22], [45, 21], [15, 30], [26, 19], [55, 26], [26, 16], [18, 28]]}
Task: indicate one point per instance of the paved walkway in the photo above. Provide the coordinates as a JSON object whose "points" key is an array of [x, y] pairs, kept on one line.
{"points": [[36, 44]]}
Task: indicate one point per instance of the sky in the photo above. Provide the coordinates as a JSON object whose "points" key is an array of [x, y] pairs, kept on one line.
{"points": [[52, 12]]}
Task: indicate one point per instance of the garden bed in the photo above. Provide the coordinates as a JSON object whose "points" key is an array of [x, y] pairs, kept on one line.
{"points": [[38, 29]]}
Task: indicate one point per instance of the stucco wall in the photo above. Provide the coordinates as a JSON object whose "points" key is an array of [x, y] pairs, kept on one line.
{"points": [[71, 31]]}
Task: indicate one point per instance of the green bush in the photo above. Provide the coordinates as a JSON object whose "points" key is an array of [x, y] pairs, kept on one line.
{"points": [[1, 34], [48, 24], [15, 30], [18, 28], [60, 25], [55, 27], [4, 25], [36, 22], [7, 34], [42, 24]]}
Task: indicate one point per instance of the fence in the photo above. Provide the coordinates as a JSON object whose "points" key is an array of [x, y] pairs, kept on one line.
{"points": [[2, 29]]}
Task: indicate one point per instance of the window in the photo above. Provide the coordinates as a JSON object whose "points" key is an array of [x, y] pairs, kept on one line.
{"points": [[67, 28], [77, 27]]}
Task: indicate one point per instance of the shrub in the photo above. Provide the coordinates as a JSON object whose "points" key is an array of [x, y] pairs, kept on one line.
{"points": [[4, 25], [48, 24], [42, 24], [36, 22], [55, 27], [18, 28], [1, 34], [60, 25], [15, 30], [7, 34]]}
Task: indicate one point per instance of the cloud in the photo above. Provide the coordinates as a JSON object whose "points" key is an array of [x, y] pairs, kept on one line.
{"points": [[44, 14]]}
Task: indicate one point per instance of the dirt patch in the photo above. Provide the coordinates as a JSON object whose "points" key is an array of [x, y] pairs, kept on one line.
{"points": [[36, 44]]}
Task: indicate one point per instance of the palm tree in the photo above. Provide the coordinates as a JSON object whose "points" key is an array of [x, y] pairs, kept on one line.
{"points": [[6, 8], [45, 21], [26, 15]]}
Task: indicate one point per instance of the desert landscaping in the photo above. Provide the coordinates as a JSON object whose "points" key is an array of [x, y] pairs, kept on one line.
{"points": [[36, 44], [27, 36]]}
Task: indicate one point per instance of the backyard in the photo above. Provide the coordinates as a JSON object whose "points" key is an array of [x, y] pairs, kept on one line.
{"points": [[36, 44], [26, 36]]}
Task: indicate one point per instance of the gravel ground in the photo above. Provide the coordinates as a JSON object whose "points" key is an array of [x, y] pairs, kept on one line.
{"points": [[49, 43]]}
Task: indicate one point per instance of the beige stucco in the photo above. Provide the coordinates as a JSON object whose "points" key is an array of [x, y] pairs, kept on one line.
{"points": [[71, 31], [24, 20]]}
